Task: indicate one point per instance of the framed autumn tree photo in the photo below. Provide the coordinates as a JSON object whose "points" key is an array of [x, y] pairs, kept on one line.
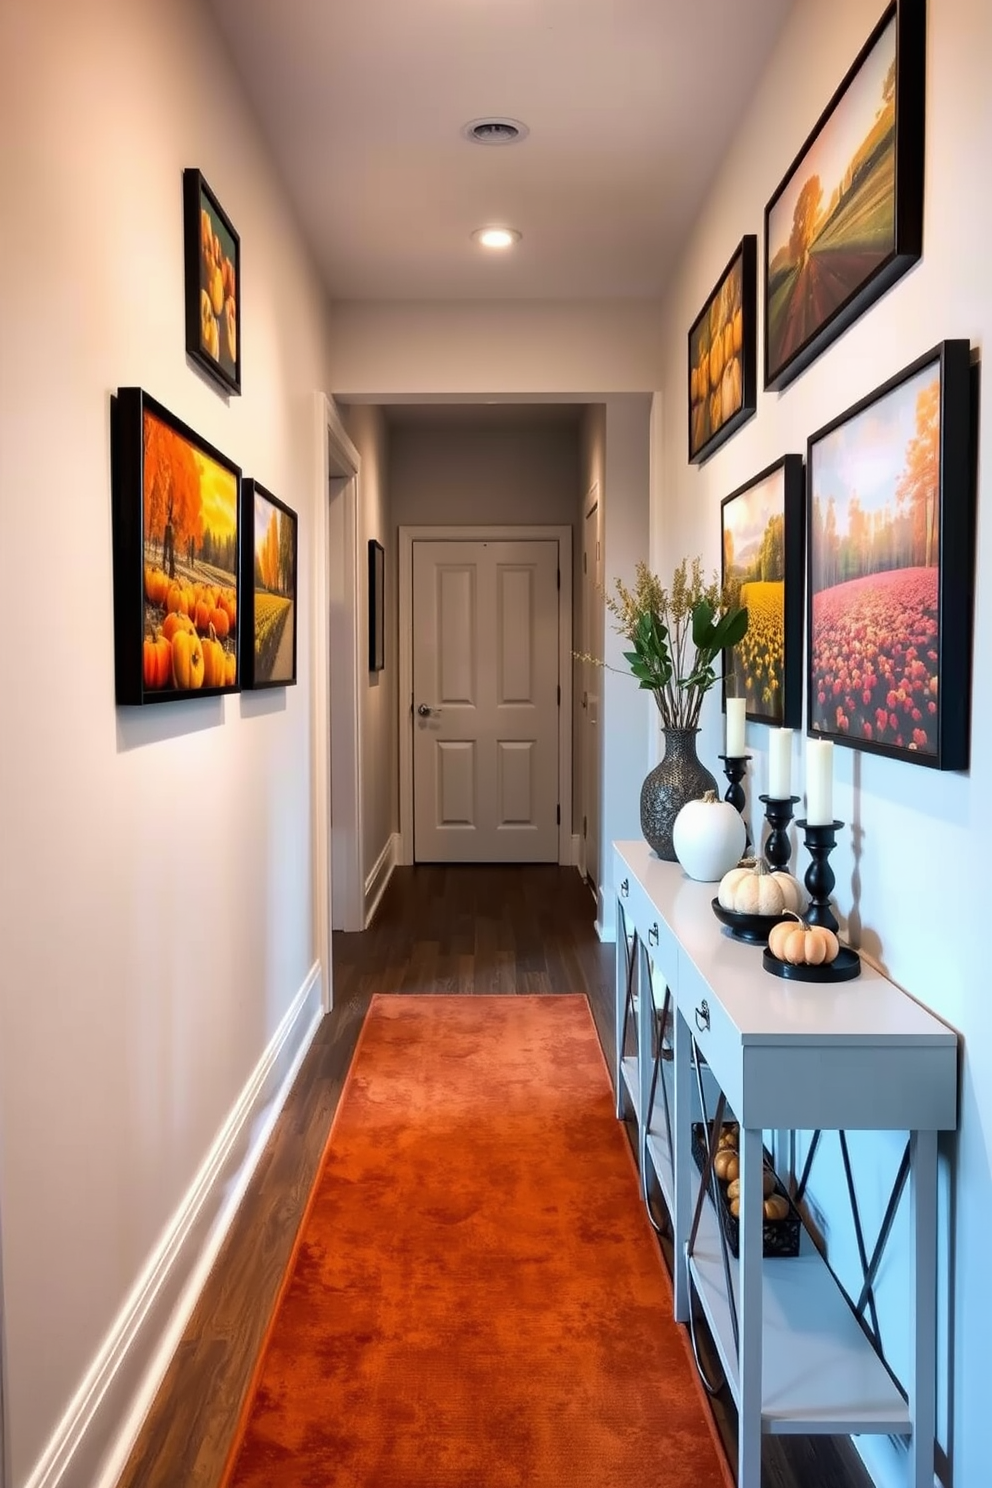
{"points": [[176, 554], [268, 588]]}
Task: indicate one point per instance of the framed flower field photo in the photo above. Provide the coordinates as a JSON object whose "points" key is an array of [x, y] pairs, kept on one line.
{"points": [[763, 553], [890, 530]]}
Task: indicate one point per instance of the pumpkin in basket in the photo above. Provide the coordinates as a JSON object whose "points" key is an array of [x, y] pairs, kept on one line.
{"points": [[753, 890]]}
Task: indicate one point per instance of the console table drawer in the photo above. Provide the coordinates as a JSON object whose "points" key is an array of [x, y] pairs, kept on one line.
{"points": [[718, 1039], [657, 938]]}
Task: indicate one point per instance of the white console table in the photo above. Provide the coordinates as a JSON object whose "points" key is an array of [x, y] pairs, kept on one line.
{"points": [[787, 1055]]}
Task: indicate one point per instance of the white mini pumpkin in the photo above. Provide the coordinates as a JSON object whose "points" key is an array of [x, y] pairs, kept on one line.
{"points": [[708, 837], [753, 890]]}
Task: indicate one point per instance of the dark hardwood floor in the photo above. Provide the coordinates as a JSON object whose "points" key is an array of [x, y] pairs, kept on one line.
{"points": [[469, 930]]}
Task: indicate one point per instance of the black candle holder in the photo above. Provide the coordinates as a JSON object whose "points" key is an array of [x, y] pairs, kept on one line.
{"points": [[778, 815], [735, 768], [819, 880]]}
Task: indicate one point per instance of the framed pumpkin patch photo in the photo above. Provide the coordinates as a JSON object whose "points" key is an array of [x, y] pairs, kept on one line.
{"points": [[175, 502], [212, 254]]}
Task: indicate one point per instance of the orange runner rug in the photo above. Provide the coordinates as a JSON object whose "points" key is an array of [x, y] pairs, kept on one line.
{"points": [[476, 1298]]}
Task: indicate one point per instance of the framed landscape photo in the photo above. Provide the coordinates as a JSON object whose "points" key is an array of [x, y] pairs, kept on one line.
{"points": [[175, 502], [847, 220], [377, 606], [890, 530], [212, 252], [268, 586], [764, 552], [723, 357]]}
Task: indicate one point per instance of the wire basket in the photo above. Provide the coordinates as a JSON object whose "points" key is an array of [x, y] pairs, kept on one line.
{"points": [[780, 1237]]}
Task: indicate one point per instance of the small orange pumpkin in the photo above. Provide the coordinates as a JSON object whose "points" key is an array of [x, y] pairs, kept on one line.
{"points": [[187, 661], [214, 665], [803, 945], [175, 620], [157, 661], [220, 621], [230, 668]]}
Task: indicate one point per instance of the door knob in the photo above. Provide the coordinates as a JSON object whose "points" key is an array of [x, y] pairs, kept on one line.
{"points": [[426, 711]]}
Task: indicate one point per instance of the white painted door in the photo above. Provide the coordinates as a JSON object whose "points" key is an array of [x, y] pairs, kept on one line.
{"points": [[592, 684], [485, 702]]}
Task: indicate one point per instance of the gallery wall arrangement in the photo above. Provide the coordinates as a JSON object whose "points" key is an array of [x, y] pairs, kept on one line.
{"points": [[175, 502], [212, 254], [268, 587], [888, 513]]}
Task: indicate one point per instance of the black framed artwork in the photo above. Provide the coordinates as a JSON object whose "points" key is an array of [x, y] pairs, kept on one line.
{"points": [[377, 606], [890, 531], [176, 536], [847, 220], [722, 372], [268, 587], [764, 553], [212, 252]]}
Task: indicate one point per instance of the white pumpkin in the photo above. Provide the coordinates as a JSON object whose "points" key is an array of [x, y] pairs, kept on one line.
{"points": [[755, 891], [708, 837]]}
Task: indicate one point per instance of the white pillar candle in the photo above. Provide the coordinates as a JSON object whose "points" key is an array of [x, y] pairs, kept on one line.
{"points": [[736, 709], [780, 764], [819, 782]]}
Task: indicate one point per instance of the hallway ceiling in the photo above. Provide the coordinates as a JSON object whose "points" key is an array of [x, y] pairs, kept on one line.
{"points": [[630, 105]]}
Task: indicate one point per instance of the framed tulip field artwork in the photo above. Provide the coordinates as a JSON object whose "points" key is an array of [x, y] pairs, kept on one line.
{"points": [[847, 220], [176, 538], [212, 254], [764, 553], [890, 528], [268, 588], [723, 357]]}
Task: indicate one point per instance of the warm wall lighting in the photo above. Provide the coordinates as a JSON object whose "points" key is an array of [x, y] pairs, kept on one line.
{"points": [[496, 237]]}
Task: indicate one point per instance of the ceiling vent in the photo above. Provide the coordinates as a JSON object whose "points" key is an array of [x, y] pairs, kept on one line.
{"points": [[495, 131]]}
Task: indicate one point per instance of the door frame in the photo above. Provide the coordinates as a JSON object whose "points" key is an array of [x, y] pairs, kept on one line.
{"points": [[484, 532], [337, 755]]}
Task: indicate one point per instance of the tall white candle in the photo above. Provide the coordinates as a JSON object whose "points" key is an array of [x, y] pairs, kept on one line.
{"points": [[819, 782], [736, 709], [780, 764]]}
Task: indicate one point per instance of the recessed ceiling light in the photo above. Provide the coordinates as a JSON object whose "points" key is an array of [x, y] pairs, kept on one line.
{"points": [[496, 237], [495, 131]]}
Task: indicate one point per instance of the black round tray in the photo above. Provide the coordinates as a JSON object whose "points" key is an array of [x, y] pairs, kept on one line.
{"points": [[753, 928], [845, 965]]}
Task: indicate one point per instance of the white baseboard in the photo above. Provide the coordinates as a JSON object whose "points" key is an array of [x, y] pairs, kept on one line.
{"points": [[91, 1443], [375, 884]]}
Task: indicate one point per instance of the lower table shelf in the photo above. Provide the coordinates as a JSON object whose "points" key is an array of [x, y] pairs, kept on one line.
{"points": [[819, 1373]]}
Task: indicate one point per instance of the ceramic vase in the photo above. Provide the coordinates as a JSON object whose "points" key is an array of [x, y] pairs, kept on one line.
{"points": [[680, 777]]}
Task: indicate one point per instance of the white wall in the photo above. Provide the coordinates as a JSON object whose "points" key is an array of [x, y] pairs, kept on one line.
{"points": [[155, 874], [378, 695], [917, 883], [494, 347], [508, 475]]}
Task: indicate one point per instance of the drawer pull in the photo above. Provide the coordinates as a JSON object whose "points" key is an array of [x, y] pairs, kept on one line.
{"points": [[703, 1016], [653, 934], [624, 889]]}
